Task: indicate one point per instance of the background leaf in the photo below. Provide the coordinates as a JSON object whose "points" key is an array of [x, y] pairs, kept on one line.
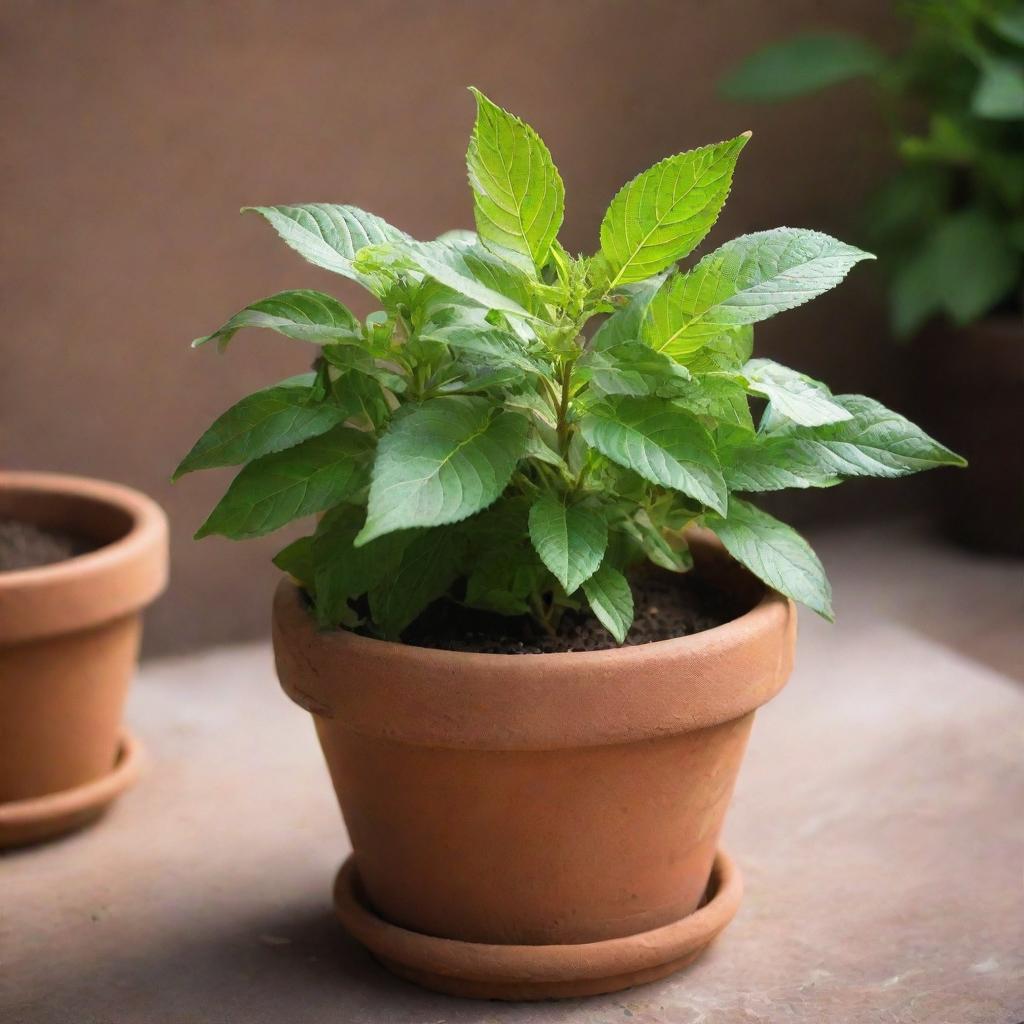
{"points": [[285, 485], [570, 539], [664, 445], [442, 462], [518, 196], [775, 553], [266, 421], [801, 65], [659, 216]]}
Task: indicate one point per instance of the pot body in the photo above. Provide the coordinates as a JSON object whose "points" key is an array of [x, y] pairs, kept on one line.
{"points": [[536, 799], [973, 378], [69, 637]]}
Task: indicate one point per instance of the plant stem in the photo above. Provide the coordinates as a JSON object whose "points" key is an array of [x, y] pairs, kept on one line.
{"points": [[562, 428]]}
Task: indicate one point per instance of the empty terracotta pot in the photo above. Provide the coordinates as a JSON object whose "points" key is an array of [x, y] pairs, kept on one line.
{"points": [[69, 638], [530, 826]]}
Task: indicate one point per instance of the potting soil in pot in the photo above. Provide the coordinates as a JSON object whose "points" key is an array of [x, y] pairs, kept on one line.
{"points": [[25, 546], [665, 608]]}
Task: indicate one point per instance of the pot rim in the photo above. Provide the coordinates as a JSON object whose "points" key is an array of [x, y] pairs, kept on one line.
{"points": [[467, 700], [115, 579]]}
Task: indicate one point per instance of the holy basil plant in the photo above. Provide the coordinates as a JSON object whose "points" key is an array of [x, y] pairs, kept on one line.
{"points": [[476, 439]]}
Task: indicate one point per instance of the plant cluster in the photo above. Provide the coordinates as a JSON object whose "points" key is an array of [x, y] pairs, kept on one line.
{"points": [[475, 438], [949, 223]]}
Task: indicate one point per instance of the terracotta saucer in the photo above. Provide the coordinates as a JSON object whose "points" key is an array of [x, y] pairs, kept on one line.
{"points": [[42, 817], [483, 971]]}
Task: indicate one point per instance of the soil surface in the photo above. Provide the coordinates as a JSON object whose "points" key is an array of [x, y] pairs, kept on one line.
{"points": [[24, 546], [666, 607]]}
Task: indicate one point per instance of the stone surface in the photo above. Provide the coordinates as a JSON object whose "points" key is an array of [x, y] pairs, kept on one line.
{"points": [[877, 820]]}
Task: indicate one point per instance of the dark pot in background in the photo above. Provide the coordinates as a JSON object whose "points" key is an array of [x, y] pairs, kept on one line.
{"points": [[969, 389]]}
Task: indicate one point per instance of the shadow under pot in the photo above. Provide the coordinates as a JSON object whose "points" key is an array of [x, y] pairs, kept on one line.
{"points": [[83, 558], [540, 825]]}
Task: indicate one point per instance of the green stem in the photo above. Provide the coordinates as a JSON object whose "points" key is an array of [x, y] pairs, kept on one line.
{"points": [[562, 428]]}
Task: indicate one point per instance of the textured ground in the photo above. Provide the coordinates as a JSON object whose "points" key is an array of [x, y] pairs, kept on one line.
{"points": [[879, 821]]}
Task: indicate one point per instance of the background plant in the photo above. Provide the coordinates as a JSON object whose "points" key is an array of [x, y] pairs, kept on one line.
{"points": [[949, 224], [476, 439]]}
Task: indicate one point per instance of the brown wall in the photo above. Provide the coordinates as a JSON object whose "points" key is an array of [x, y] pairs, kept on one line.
{"points": [[133, 132]]}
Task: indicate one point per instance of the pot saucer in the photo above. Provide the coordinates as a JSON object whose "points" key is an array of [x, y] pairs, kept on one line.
{"points": [[485, 971], [42, 817]]}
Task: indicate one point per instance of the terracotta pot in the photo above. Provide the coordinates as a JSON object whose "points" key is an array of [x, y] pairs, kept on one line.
{"points": [[69, 638], [529, 826], [973, 378]]}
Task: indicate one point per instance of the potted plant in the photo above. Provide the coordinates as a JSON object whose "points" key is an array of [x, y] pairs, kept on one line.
{"points": [[79, 560], [535, 779], [948, 225]]}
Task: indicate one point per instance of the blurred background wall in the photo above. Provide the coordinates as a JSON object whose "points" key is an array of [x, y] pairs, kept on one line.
{"points": [[133, 132]]}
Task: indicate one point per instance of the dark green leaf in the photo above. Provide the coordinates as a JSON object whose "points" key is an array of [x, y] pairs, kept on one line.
{"points": [[611, 600]]}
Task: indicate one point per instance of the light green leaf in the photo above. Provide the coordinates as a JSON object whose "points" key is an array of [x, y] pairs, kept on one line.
{"points": [[304, 315], [491, 345], [329, 235], [611, 600], [655, 546], [664, 445], [1009, 24], [801, 65], [793, 395], [442, 462], [755, 462], [749, 279], [571, 540], [1000, 91], [661, 215], [775, 553], [631, 368], [875, 442], [264, 422], [285, 485], [717, 398], [428, 566], [518, 197], [625, 323]]}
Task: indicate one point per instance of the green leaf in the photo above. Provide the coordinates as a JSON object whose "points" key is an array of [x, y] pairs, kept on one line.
{"points": [[964, 267], [875, 442], [755, 462], [343, 571], [655, 546], [1010, 24], [492, 346], [625, 324], [611, 600], [296, 559], [793, 395], [775, 553], [428, 566], [571, 540], [717, 398], [304, 315], [264, 422], [1000, 91], [444, 461], [518, 197], [285, 485], [751, 278], [664, 445], [502, 579], [329, 235], [801, 65], [661, 215], [631, 368]]}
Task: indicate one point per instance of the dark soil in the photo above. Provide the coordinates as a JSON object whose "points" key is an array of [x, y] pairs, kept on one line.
{"points": [[666, 605], [24, 546]]}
